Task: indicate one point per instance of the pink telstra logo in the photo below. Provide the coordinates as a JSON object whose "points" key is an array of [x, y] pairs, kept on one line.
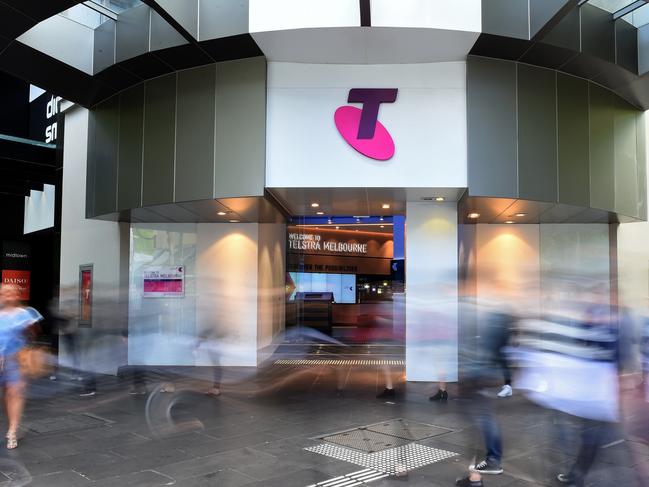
{"points": [[361, 128]]}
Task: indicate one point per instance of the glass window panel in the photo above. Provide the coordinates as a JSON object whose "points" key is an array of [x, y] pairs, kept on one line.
{"points": [[611, 5], [638, 17]]}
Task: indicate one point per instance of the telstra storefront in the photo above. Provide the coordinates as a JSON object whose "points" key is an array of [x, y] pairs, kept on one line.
{"points": [[319, 145]]}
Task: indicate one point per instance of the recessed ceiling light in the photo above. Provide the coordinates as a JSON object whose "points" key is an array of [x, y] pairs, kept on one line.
{"points": [[358, 219], [440, 198], [234, 221], [381, 219], [382, 226], [385, 206], [317, 228], [315, 205], [356, 230], [509, 222], [474, 215], [337, 228], [221, 213], [319, 212], [520, 214]]}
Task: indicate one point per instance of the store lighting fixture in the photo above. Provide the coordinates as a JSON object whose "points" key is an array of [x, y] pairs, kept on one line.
{"points": [[329, 222], [319, 212], [520, 215], [366, 286], [234, 221], [221, 213], [509, 222], [385, 283], [315, 205], [337, 228], [474, 215], [381, 219], [382, 226], [440, 199], [385, 206]]}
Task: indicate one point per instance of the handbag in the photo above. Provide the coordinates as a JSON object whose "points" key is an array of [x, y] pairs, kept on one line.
{"points": [[34, 362]]}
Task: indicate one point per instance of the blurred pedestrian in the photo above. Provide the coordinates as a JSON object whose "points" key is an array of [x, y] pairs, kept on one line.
{"points": [[481, 367], [15, 320]]}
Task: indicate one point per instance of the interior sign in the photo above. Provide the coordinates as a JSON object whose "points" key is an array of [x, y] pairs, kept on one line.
{"points": [[361, 127], [309, 241], [51, 111]]}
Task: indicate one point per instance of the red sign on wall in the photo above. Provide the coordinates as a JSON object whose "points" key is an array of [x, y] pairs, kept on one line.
{"points": [[20, 279]]}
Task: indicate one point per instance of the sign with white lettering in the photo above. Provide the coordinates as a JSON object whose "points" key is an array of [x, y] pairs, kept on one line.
{"points": [[164, 282], [309, 241]]}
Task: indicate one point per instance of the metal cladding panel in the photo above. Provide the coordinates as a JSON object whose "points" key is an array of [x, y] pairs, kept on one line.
{"points": [[132, 33], [185, 12], [566, 33], [131, 131], [163, 35], [240, 160], [597, 32], [159, 140], [643, 52], [641, 148], [542, 11], [195, 134], [103, 154], [492, 128], [573, 131], [104, 47], [626, 161], [602, 153], [509, 18], [626, 39], [222, 18], [537, 133]]}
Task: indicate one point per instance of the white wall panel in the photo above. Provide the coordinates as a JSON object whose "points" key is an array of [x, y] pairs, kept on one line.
{"points": [[95, 242], [427, 123]]}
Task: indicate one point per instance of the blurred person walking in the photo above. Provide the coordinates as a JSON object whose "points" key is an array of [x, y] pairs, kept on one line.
{"points": [[560, 355], [15, 321], [481, 368]]}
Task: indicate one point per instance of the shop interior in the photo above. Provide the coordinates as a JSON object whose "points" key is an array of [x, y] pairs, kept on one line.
{"points": [[345, 280]]}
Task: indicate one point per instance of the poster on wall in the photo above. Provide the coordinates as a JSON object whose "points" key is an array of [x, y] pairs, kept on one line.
{"points": [[19, 279], [164, 282], [85, 295]]}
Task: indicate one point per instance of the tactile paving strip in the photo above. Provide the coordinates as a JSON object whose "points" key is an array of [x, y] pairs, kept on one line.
{"points": [[362, 477], [365, 440], [391, 462], [408, 430]]}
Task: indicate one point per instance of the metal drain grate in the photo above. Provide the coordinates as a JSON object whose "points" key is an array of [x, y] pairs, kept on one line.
{"points": [[390, 462], [365, 440], [69, 422], [408, 430], [337, 362], [353, 479]]}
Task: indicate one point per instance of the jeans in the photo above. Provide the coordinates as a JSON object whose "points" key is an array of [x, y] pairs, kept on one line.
{"points": [[478, 408]]}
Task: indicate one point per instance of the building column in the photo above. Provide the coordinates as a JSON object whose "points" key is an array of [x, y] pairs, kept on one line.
{"points": [[432, 292]]}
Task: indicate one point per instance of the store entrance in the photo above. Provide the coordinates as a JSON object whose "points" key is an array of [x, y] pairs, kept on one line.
{"points": [[345, 282]]}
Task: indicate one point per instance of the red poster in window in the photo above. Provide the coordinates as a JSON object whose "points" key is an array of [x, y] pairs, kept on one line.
{"points": [[20, 279], [85, 295]]}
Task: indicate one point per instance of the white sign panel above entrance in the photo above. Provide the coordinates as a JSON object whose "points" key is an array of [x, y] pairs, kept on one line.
{"points": [[389, 126]]}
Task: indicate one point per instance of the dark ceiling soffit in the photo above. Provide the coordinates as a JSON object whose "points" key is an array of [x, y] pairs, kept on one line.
{"points": [[366, 13], [547, 28]]}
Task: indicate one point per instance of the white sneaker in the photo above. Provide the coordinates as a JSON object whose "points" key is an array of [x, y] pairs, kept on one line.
{"points": [[506, 391]]}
